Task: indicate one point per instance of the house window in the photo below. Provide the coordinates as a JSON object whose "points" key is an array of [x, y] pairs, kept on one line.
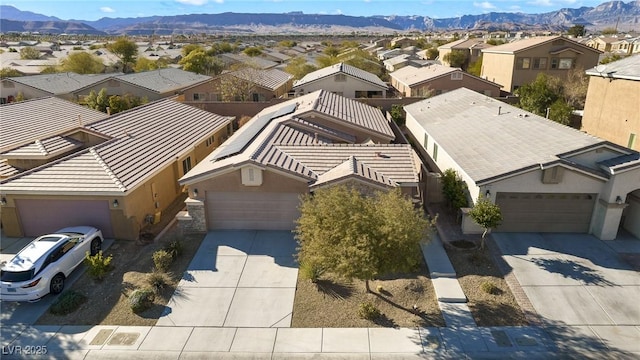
{"points": [[210, 141], [456, 76], [341, 77], [632, 140], [523, 63], [186, 165], [540, 63], [199, 97], [561, 63], [426, 140], [435, 152]]}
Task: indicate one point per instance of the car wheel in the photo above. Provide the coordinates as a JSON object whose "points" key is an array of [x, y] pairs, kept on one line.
{"points": [[57, 284], [96, 246]]}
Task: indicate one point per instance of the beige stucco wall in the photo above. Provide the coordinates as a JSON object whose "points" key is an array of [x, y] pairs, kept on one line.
{"points": [[612, 110], [445, 83], [115, 87], [232, 182], [498, 68], [9, 88]]}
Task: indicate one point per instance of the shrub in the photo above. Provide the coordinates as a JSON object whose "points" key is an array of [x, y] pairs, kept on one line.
{"points": [[368, 311], [67, 303], [175, 248], [454, 189], [98, 265], [311, 271], [489, 288], [141, 299], [397, 114], [162, 260], [158, 280]]}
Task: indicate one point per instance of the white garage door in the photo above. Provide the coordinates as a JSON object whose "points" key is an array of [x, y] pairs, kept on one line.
{"points": [[44, 216], [252, 210], [534, 212]]}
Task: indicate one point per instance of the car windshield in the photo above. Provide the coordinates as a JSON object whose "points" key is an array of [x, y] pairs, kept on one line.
{"points": [[16, 276], [49, 238]]}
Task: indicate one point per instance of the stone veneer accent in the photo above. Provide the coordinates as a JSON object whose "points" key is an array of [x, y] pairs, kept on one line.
{"points": [[193, 220]]}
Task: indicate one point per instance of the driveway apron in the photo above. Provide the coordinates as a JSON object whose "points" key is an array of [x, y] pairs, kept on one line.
{"points": [[237, 279]]}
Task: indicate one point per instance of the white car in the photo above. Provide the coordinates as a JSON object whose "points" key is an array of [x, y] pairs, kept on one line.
{"points": [[42, 266]]}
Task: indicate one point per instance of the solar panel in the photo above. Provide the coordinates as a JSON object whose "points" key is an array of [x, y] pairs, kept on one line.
{"points": [[285, 110]]}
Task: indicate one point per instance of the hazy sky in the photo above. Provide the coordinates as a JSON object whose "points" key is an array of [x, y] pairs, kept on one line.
{"points": [[95, 9]]}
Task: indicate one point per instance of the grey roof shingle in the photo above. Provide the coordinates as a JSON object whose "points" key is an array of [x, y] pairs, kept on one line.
{"points": [[627, 68], [145, 140], [164, 80], [270, 79], [61, 83], [341, 68], [256, 62], [485, 144], [38, 119], [49, 147]]}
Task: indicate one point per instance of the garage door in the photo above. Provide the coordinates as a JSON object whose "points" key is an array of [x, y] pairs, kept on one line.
{"points": [[534, 212], [44, 216], [252, 210]]}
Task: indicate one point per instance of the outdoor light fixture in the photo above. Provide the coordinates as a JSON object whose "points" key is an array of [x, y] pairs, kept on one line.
{"points": [[195, 192], [115, 203], [3, 201], [488, 193], [618, 200]]}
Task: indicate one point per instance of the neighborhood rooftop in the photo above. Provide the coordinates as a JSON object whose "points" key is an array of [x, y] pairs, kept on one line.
{"points": [[341, 68], [498, 138], [627, 68], [523, 44], [270, 79], [164, 80], [62, 83], [410, 75], [40, 119], [144, 140]]}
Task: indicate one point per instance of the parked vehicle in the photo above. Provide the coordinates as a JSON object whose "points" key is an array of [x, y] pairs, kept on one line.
{"points": [[44, 264]]}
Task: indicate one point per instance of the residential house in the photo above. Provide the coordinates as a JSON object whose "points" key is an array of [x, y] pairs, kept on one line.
{"points": [[121, 182], [257, 85], [62, 85], [436, 79], [276, 56], [244, 60], [472, 48], [255, 179], [626, 46], [546, 177], [35, 132], [519, 62], [151, 85], [602, 43], [344, 80], [402, 42], [612, 106]]}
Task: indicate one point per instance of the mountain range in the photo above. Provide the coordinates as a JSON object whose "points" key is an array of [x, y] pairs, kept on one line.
{"points": [[613, 14]]}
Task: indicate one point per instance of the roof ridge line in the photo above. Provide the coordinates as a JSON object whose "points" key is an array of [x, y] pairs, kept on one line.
{"points": [[41, 147], [107, 169]]}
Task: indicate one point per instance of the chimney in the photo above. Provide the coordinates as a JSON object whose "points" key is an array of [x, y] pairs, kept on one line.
{"points": [[315, 138]]}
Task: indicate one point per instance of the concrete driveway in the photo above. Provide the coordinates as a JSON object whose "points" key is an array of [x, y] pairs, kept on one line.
{"points": [[237, 279], [578, 280]]}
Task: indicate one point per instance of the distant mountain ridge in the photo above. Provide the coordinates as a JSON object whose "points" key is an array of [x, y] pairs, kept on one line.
{"points": [[624, 16]]}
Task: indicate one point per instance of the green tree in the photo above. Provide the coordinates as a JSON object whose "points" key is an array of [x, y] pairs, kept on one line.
{"points": [[187, 49], [610, 58], [397, 114], [357, 236], [609, 31], [496, 42], [121, 103], [537, 96], [252, 51], [98, 101], [29, 53], [577, 30], [454, 189], [144, 64], [432, 53], [456, 58], [82, 63], [126, 50], [487, 215], [331, 51], [200, 63], [239, 84], [9, 72], [51, 69], [560, 112], [299, 67], [287, 43], [475, 68]]}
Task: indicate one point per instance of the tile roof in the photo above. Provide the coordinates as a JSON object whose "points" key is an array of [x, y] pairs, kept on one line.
{"points": [[7, 170], [341, 68], [164, 80], [410, 75], [145, 140], [294, 143], [353, 168], [627, 68], [270, 79], [45, 148], [60, 83], [256, 62], [488, 138], [474, 43], [524, 44], [39, 119]]}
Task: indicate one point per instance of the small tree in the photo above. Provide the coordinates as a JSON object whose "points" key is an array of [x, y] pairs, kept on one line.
{"points": [[456, 58], [298, 67], [577, 30], [199, 62], [352, 235], [397, 114], [252, 51], [475, 68], [126, 50], [432, 53], [9, 72], [82, 63], [29, 53], [454, 189], [487, 215]]}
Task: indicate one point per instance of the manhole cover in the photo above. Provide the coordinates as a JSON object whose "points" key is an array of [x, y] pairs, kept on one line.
{"points": [[101, 337], [501, 338], [526, 341], [124, 338]]}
